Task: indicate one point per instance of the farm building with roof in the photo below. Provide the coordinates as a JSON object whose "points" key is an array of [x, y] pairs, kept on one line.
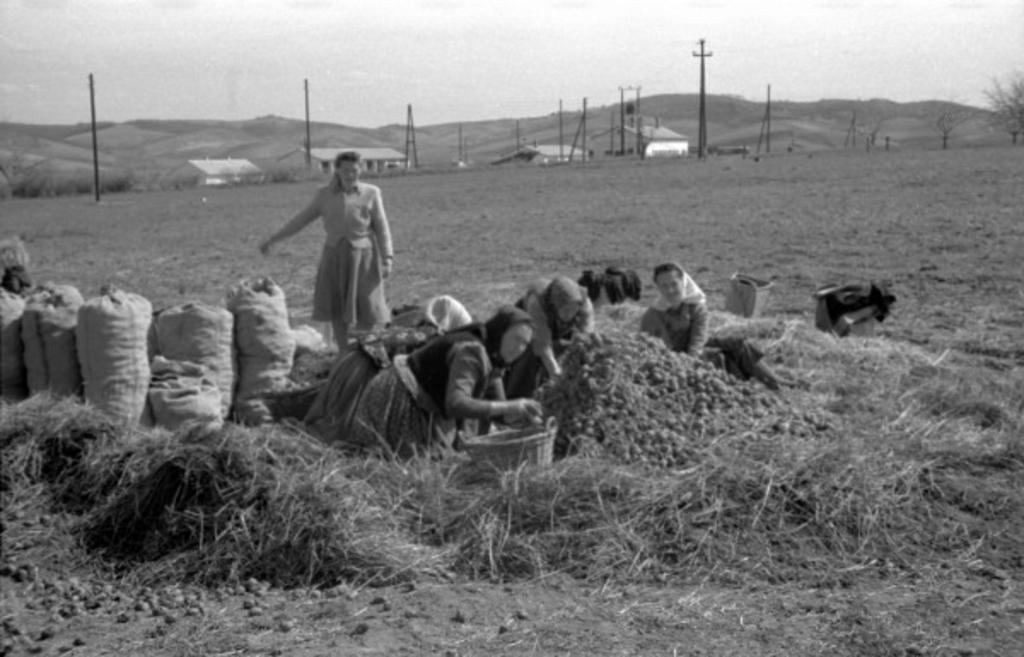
{"points": [[543, 154], [659, 141], [221, 172], [375, 159]]}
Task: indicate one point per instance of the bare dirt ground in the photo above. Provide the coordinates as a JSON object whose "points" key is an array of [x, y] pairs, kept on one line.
{"points": [[945, 229]]}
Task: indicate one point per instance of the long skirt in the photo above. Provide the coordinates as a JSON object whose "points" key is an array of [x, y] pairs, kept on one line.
{"points": [[350, 286], [391, 420], [333, 411], [735, 355]]}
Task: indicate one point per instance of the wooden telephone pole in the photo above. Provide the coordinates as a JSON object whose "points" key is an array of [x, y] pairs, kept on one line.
{"points": [[410, 141], [766, 125], [702, 138], [309, 156], [851, 132], [95, 142]]}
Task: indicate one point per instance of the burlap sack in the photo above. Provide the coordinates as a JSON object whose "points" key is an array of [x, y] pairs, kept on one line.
{"points": [[203, 334], [13, 381], [111, 335], [264, 346], [181, 392], [48, 335]]}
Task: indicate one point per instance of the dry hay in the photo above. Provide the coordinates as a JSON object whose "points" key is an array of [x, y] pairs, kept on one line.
{"points": [[61, 443], [626, 396], [747, 500], [819, 516], [268, 503]]}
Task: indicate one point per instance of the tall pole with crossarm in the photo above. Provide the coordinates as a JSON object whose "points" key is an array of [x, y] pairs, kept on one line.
{"points": [[702, 136]]}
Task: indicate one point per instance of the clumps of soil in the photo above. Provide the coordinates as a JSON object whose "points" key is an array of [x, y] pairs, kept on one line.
{"points": [[628, 397]]}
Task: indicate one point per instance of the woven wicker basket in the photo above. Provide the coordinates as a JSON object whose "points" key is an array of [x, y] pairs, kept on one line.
{"points": [[509, 449], [293, 402]]}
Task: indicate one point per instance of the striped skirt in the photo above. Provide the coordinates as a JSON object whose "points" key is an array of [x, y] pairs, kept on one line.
{"points": [[395, 420]]}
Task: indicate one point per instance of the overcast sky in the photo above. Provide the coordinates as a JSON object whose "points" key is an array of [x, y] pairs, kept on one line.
{"points": [[465, 60]]}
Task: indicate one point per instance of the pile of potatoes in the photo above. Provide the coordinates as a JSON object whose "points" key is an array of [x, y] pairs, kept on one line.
{"points": [[627, 397]]}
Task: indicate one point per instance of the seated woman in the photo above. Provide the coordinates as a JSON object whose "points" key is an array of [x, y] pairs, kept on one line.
{"points": [[560, 309], [416, 405], [333, 409], [680, 318]]}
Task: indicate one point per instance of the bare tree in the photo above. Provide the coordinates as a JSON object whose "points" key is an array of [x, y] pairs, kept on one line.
{"points": [[1007, 104], [949, 119]]}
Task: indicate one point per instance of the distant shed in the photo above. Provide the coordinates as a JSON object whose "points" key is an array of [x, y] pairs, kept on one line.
{"points": [[543, 154], [660, 141], [375, 159], [223, 172]]}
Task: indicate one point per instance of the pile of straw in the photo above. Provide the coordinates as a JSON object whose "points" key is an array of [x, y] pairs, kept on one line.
{"points": [[270, 503]]}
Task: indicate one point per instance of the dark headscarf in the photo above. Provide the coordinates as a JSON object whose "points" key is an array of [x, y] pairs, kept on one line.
{"points": [[494, 330]]}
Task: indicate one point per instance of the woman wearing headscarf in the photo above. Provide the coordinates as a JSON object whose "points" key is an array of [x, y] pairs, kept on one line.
{"points": [[333, 409], [418, 404], [680, 318], [560, 309]]}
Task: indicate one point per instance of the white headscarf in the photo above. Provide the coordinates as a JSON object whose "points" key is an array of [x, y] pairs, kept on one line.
{"points": [[691, 293], [446, 313]]}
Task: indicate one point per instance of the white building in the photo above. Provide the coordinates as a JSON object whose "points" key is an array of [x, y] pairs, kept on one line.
{"points": [[224, 172], [659, 141], [375, 159]]}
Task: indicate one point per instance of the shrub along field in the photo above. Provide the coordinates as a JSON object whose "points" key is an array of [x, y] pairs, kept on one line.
{"points": [[875, 509]]}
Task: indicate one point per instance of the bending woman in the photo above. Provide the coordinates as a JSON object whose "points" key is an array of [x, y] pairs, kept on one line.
{"points": [[560, 309], [680, 318], [419, 403]]}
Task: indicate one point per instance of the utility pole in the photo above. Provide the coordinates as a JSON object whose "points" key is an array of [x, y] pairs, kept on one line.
{"points": [[766, 125], [309, 160], [95, 142], [702, 138], [611, 132], [410, 141], [638, 125], [561, 155], [461, 160], [851, 132], [583, 122], [622, 118]]}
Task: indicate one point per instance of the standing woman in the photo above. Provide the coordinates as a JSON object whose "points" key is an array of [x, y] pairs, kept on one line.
{"points": [[357, 254], [560, 309], [416, 405]]}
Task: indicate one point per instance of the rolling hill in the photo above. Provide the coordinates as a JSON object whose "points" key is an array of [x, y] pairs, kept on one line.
{"points": [[155, 146]]}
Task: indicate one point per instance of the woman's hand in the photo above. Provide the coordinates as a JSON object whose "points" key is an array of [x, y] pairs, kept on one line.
{"points": [[524, 411], [265, 245], [386, 267]]}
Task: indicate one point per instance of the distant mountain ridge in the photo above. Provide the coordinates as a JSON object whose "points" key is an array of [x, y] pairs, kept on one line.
{"points": [[162, 145]]}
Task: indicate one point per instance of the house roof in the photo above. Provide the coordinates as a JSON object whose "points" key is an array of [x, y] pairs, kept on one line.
{"points": [[657, 133], [552, 150], [225, 167], [328, 154]]}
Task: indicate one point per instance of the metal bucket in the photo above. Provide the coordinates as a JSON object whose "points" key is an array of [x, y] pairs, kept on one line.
{"points": [[747, 295]]}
